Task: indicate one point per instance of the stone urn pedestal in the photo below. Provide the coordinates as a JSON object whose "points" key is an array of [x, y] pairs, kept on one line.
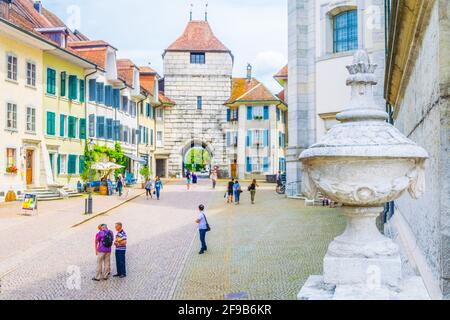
{"points": [[363, 163]]}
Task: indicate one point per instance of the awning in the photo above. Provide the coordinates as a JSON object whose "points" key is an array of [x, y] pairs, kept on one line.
{"points": [[136, 158]]}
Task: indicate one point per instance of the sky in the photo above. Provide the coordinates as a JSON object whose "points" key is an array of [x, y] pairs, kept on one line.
{"points": [[254, 30]]}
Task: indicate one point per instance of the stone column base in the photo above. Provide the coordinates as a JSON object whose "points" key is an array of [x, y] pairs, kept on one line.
{"points": [[315, 288], [343, 271]]}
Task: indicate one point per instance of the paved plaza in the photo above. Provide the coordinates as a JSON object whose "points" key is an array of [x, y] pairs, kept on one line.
{"points": [[262, 251]]}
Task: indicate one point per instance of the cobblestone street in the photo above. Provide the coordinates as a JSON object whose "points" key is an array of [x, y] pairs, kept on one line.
{"points": [[265, 251]]}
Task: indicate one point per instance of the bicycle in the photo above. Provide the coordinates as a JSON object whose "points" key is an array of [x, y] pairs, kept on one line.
{"points": [[281, 189]]}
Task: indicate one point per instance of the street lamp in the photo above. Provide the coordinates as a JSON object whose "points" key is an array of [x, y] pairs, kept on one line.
{"points": [[89, 200]]}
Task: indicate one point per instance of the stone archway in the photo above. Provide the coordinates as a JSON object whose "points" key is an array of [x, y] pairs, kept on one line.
{"points": [[196, 144]]}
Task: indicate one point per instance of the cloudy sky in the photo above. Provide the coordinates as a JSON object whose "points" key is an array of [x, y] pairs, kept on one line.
{"points": [[254, 30]]}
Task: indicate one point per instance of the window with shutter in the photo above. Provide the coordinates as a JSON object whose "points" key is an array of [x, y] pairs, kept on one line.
{"points": [[92, 90], [73, 87], [92, 125], [109, 129], [72, 131], [82, 129], [81, 164], [72, 164], [51, 123], [82, 91], [63, 84], [100, 127], [62, 125], [249, 113], [51, 81], [100, 93], [266, 112], [248, 164]]}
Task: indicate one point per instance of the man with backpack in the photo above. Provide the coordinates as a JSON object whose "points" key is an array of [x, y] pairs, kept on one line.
{"points": [[103, 243], [203, 228]]}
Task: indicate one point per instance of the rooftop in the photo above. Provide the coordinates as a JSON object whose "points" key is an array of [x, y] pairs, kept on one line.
{"points": [[198, 36]]}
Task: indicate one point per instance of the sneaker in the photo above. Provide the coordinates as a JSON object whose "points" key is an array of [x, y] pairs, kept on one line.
{"points": [[116, 275], [122, 276], [201, 252], [95, 279]]}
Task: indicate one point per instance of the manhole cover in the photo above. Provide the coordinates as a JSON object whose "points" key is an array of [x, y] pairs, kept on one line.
{"points": [[236, 296]]}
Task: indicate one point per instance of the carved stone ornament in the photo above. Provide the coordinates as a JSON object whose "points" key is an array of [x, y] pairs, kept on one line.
{"points": [[363, 162]]}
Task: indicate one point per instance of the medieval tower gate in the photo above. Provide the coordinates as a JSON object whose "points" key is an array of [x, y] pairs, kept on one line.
{"points": [[198, 77]]}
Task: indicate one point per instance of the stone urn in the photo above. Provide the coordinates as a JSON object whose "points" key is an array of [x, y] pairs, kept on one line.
{"points": [[362, 163]]}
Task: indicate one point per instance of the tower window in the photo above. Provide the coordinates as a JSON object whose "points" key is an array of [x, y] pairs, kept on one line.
{"points": [[345, 31], [199, 103], [198, 58]]}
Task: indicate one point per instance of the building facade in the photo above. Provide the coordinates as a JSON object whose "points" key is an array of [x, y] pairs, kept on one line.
{"points": [[255, 130], [323, 36], [21, 87], [418, 86], [64, 117]]}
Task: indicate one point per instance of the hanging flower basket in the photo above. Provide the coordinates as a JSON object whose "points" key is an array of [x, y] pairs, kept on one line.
{"points": [[12, 170]]}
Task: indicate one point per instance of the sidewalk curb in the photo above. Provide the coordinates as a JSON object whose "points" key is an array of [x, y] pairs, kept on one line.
{"points": [[96, 215]]}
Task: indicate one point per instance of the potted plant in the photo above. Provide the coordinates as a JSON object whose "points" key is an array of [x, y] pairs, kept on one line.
{"points": [[145, 173], [12, 170]]}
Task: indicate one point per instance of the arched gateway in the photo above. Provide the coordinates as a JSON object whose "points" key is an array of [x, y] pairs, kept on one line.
{"points": [[197, 156]]}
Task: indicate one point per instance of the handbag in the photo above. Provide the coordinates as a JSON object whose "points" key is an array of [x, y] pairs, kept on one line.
{"points": [[208, 227]]}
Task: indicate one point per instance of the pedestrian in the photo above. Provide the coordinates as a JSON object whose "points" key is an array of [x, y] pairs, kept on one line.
{"points": [[279, 179], [103, 242], [158, 187], [237, 192], [120, 184], [121, 249], [79, 187], [252, 189], [148, 188], [188, 179], [213, 178], [194, 178], [203, 228], [230, 191]]}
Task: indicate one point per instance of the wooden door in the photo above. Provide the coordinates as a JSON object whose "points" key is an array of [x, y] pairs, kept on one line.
{"points": [[29, 166], [234, 170]]}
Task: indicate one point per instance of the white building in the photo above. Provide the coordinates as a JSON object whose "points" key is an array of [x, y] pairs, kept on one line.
{"points": [[113, 92], [256, 130], [323, 36]]}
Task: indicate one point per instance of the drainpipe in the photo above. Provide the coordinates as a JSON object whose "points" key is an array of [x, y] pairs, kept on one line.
{"points": [[115, 110], [86, 101], [137, 119], [389, 209], [89, 200]]}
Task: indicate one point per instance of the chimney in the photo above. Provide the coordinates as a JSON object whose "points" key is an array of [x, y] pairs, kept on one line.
{"points": [[249, 72], [38, 6]]}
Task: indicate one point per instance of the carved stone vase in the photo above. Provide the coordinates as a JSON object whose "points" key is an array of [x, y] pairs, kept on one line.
{"points": [[362, 163]]}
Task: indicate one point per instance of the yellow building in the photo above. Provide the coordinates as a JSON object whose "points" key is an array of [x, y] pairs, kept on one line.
{"points": [[64, 115], [20, 109]]}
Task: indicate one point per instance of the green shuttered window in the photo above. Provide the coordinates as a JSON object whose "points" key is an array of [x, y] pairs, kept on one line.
{"points": [[51, 123], [73, 87], [51, 81]]}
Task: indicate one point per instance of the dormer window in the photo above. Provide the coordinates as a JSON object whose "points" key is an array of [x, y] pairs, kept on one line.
{"points": [[198, 58], [56, 34]]}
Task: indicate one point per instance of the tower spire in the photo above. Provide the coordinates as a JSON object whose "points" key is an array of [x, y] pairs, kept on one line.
{"points": [[192, 6], [206, 12]]}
